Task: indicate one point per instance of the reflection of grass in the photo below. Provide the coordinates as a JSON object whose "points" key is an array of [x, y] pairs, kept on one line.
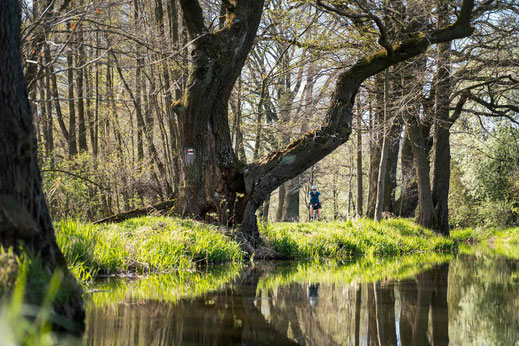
{"points": [[363, 237], [364, 270], [164, 287], [142, 245]]}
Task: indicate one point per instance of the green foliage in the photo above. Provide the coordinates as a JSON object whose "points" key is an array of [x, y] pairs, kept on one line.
{"points": [[342, 240], [485, 181], [146, 244], [87, 188]]}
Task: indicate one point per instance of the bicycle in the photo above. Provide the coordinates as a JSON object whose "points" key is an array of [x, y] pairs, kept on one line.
{"points": [[315, 216]]}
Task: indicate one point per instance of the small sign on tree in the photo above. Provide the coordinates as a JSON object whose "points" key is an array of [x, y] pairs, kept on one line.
{"points": [[189, 156]]}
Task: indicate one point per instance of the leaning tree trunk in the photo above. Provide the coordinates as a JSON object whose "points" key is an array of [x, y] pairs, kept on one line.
{"points": [[23, 211]]}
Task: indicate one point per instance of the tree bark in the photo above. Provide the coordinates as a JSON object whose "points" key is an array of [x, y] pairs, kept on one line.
{"points": [[408, 200], [291, 205], [281, 201], [376, 144], [24, 216]]}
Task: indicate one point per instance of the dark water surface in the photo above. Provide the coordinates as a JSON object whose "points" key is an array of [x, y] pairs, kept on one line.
{"points": [[470, 299]]}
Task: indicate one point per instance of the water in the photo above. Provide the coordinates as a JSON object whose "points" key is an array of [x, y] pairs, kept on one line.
{"points": [[470, 299]]}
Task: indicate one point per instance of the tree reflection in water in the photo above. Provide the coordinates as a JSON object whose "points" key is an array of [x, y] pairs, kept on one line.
{"points": [[270, 306]]}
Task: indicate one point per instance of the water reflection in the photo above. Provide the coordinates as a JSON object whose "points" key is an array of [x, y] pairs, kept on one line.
{"points": [[426, 301]]}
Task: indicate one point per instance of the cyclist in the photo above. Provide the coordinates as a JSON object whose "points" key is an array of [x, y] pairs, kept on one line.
{"points": [[315, 202]]}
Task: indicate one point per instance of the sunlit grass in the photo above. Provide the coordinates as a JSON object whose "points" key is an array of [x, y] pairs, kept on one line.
{"points": [[491, 235], [146, 244], [363, 237]]}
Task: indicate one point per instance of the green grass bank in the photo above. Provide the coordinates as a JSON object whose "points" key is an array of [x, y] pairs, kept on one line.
{"points": [[500, 236], [156, 244]]}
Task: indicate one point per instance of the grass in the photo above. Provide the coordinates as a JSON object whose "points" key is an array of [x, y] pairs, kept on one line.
{"points": [[487, 235], [153, 244], [143, 245], [363, 237]]}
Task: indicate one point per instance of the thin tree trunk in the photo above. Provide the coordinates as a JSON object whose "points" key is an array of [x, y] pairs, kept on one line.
{"points": [[376, 144], [359, 196], [72, 139], [281, 202], [385, 149], [81, 61]]}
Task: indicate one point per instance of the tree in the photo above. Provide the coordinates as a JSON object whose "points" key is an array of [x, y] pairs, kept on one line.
{"points": [[263, 177], [24, 217]]}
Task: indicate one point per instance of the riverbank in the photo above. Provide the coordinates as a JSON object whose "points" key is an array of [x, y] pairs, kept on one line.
{"points": [[158, 244], [487, 235]]}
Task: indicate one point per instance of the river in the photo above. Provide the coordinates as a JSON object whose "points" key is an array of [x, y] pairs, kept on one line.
{"points": [[471, 298]]}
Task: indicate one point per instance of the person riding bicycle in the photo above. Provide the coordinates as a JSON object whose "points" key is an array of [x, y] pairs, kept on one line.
{"points": [[315, 202]]}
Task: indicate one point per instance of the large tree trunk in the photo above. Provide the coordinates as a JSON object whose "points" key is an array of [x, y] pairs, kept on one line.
{"points": [[210, 169], [426, 213], [23, 212]]}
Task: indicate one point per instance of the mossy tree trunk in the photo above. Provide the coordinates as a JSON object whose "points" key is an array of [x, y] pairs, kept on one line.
{"points": [[210, 169], [24, 216]]}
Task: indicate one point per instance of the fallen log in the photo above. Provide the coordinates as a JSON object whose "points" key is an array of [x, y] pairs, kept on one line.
{"points": [[162, 208]]}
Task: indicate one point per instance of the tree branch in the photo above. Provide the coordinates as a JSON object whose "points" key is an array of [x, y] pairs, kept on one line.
{"points": [[193, 18], [264, 176]]}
